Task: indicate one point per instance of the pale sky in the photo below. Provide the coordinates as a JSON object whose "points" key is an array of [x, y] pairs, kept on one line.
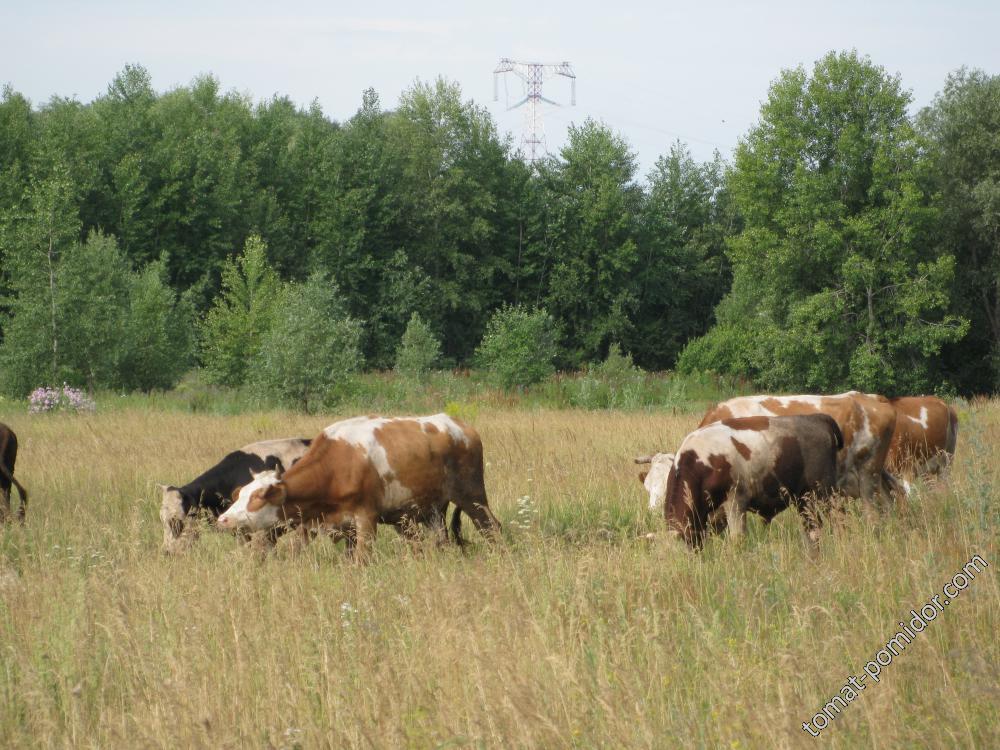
{"points": [[653, 71]]}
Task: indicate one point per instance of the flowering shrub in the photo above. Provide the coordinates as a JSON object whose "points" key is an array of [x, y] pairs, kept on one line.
{"points": [[66, 398]]}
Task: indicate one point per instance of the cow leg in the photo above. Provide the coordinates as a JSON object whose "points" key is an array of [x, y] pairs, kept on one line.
{"points": [[937, 465], [22, 509], [4, 504], [350, 542], [870, 492], [262, 542], [437, 526], [809, 514], [243, 537], [481, 515], [736, 514], [409, 529], [718, 520], [364, 536], [301, 536], [811, 531]]}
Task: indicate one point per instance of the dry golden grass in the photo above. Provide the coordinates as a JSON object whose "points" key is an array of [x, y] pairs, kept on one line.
{"points": [[573, 633]]}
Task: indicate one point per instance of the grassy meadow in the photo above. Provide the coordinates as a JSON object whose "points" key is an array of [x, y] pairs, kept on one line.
{"points": [[575, 632]]}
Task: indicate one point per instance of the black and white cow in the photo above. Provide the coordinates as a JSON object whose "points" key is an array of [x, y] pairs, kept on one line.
{"points": [[212, 491]]}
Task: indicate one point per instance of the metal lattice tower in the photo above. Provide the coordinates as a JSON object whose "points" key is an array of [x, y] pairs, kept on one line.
{"points": [[533, 75]]}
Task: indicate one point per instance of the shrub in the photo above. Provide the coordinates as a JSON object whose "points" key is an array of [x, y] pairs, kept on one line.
{"points": [[616, 366], [312, 352], [419, 350], [519, 346], [725, 349]]}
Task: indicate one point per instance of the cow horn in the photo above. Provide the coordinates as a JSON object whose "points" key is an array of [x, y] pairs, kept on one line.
{"points": [[644, 459]]}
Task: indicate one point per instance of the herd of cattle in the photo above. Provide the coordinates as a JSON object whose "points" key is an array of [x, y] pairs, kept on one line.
{"points": [[764, 453], [757, 454]]}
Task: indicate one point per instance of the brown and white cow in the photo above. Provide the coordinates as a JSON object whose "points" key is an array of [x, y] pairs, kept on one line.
{"points": [[923, 443], [655, 479], [655, 482], [744, 463], [366, 470], [866, 421], [8, 457]]}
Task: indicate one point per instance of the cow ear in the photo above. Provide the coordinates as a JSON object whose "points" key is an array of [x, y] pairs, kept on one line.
{"points": [[276, 494], [273, 494], [642, 477], [162, 487]]}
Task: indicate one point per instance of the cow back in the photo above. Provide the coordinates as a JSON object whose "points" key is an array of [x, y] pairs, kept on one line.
{"points": [[388, 465]]}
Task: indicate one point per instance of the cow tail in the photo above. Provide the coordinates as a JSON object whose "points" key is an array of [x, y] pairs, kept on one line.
{"points": [[897, 488], [456, 526], [952, 438], [23, 509], [838, 436]]}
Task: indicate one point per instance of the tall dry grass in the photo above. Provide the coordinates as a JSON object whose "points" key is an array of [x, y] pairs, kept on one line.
{"points": [[573, 633]]}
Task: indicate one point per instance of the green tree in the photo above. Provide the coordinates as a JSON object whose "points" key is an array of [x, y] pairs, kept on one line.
{"points": [[158, 342], [683, 272], [592, 205], [69, 143], [313, 350], [360, 233], [963, 125], [129, 137], [419, 349], [454, 175], [292, 154], [16, 146], [519, 347], [836, 280], [243, 312], [201, 180], [93, 303], [33, 240]]}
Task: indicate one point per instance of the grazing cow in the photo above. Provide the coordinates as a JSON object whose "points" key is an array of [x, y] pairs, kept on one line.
{"points": [[655, 482], [865, 421], [8, 457], [763, 463], [212, 491], [432, 518], [923, 443], [361, 471]]}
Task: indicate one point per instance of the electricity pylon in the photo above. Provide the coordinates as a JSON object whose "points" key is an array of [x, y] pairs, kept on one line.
{"points": [[533, 75]]}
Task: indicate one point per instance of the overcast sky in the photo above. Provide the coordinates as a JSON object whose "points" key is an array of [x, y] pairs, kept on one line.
{"points": [[655, 71]]}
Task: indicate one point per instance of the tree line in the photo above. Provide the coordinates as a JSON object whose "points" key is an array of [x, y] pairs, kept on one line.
{"points": [[849, 243]]}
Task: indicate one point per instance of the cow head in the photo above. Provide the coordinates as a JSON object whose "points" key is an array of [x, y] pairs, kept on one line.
{"points": [[178, 531], [256, 505], [655, 480]]}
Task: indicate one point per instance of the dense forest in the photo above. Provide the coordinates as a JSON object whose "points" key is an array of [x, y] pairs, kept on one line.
{"points": [[850, 242]]}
